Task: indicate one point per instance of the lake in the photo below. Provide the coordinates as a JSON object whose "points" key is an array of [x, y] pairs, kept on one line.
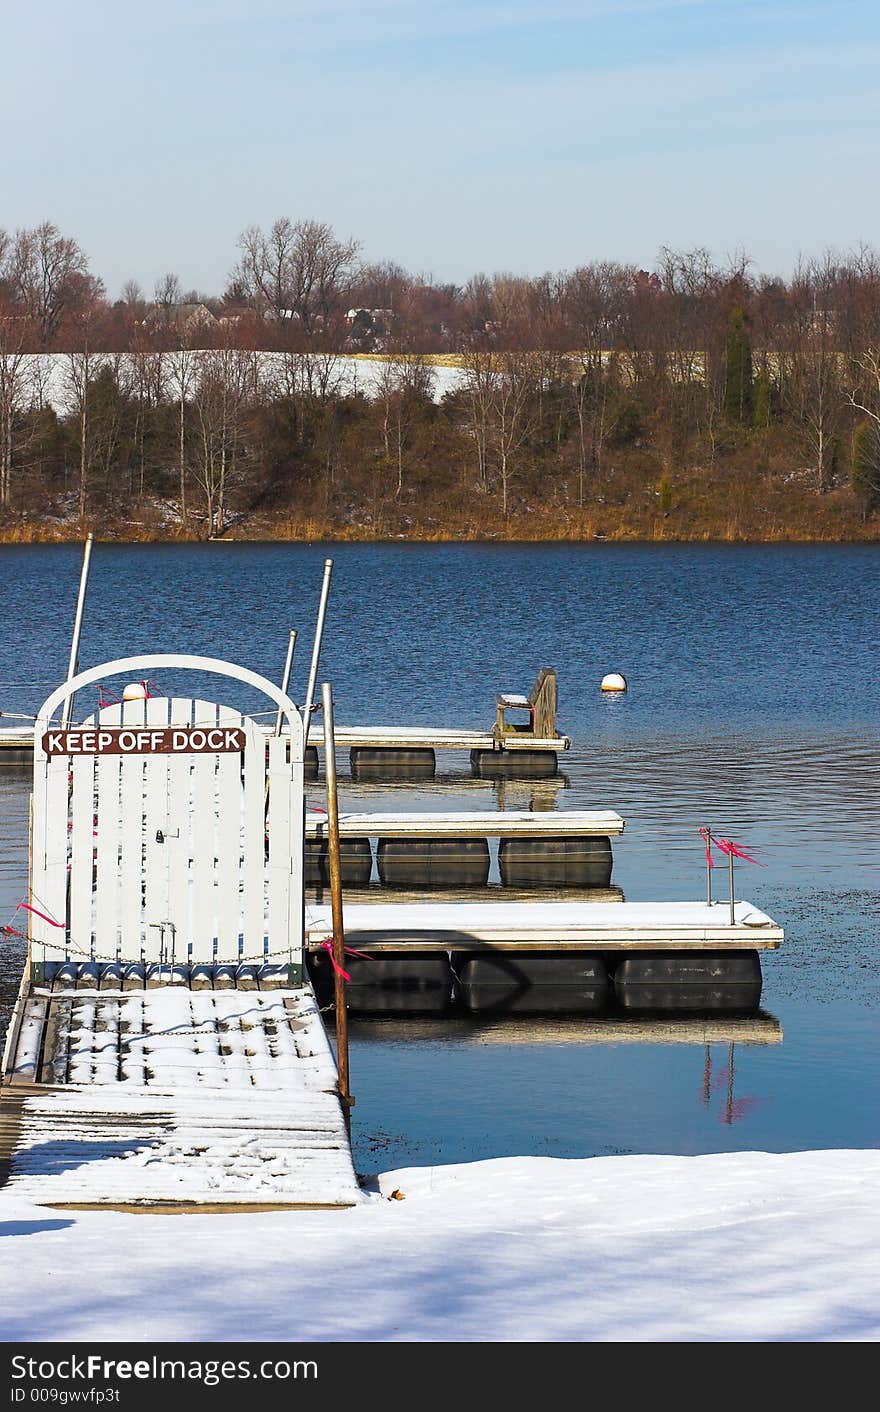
{"points": [[754, 703]]}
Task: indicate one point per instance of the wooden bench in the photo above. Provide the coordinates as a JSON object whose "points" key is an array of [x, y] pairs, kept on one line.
{"points": [[540, 704]]}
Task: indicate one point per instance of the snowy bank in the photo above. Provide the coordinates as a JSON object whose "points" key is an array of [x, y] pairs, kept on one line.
{"points": [[743, 1246], [47, 381]]}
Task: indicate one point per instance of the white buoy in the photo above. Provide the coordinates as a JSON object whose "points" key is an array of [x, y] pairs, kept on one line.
{"points": [[134, 691], [614, 681]]}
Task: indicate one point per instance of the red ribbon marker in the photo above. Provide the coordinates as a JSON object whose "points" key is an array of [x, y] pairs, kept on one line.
{"points": [[328, 947], [25, 906], [727, 847], [349, 951]]}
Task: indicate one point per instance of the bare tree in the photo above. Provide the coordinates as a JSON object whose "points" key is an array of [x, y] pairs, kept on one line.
{"points": [[183, 367], [226, 379], [297, 271], [132, 294], [510, 420], [16, 391], [168, 291], [811, 363], [406, 381], [81, 369], [49, 274]]}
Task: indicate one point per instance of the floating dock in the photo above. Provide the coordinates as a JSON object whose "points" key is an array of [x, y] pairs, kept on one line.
{"points": [[488, 823], [547, 926]]}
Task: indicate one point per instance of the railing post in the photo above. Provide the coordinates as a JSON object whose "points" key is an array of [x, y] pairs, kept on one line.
{"points": [[73, 664], [730, 878], [708, 866], [338, 952]]}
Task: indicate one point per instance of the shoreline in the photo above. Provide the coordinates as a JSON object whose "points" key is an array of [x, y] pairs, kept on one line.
{"points": [[314, 531]]}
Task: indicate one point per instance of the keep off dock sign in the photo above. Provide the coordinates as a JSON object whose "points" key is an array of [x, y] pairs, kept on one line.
{"points": [[170, 740]]}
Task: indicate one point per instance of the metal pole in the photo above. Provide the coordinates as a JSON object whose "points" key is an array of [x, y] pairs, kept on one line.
{"points": [[285, 679], [708, 866], [730, 877], [338, 952], [316, 652], [67, 709]]}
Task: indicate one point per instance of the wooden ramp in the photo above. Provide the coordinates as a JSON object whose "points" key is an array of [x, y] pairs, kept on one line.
{"points": [[172, 1097]]}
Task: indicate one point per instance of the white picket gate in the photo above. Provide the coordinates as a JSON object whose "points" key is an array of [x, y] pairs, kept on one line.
{"points": [[159, 857]]}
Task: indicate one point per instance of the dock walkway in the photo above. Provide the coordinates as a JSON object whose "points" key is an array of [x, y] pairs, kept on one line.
{"points": [[170, 1096]]}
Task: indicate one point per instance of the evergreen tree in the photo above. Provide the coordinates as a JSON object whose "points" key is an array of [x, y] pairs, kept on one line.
{"points": [[738, 390], [865, 467]]}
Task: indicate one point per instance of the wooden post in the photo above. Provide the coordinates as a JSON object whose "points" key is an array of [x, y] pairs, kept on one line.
{"points": [[338, 951]]}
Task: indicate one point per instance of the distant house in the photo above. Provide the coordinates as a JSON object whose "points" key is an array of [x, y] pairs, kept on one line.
{"points": [[187, 318], [370, 320]]}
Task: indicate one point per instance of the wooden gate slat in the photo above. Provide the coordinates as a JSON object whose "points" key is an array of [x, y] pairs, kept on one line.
{"points": [[254, 842], [178, 833], [279, 843], [156, 841], [82, 852], [229, 843], [107, 868], [131, 864], [203, 841]]}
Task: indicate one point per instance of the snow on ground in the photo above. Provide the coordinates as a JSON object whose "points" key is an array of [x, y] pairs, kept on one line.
{"points": [[736, 1247], [51, 373]]}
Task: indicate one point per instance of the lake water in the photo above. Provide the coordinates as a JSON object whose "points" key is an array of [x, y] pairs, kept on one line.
{"points": [[754, 704]]}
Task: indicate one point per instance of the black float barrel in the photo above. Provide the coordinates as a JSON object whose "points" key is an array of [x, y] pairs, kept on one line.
{"points": [[433, 862], [561, 861]]}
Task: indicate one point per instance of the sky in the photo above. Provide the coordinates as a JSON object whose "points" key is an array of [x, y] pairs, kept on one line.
{"points": [[452, 136]]}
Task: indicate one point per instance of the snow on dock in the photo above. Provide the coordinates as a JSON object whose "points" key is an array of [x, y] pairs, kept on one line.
{"points": [[497, 823], [170, 1096], [554, 926]]}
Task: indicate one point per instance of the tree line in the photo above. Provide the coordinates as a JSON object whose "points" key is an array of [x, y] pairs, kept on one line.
{"points": [[607, 385]]}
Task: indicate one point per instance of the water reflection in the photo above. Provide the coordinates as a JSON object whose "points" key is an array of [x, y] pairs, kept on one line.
{"points": [[614, 1028]]}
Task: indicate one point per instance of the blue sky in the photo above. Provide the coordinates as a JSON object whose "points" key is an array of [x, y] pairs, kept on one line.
{"points": [[452, 137]]}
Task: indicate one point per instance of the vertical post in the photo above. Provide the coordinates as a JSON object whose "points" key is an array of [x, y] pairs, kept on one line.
{"points": [[728, 1106], [338, 952], [285, 679], [730, 878], [708, 866], [67, 709], [316, 653]]}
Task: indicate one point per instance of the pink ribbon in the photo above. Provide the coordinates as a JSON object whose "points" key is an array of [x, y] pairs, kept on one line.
{"points": [[349, 951], [37, 913], [328, 947], [726, 846]]}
